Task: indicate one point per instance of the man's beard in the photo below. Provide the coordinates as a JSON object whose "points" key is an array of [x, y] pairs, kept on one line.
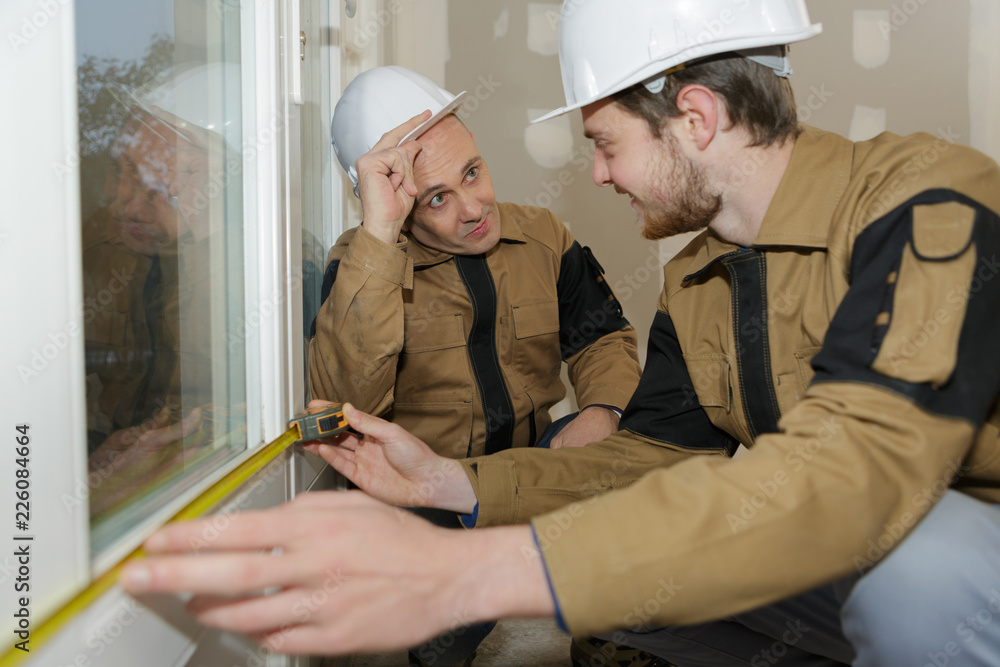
{"points": [[683, 202]]}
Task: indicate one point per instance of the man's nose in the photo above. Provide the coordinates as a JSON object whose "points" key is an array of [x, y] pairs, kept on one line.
{"points": [[471, 208], [134, 200], [600, 171], [133, 204]]}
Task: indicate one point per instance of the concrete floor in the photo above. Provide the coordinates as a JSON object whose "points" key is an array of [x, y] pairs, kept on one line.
{"points": [[535, 643]]}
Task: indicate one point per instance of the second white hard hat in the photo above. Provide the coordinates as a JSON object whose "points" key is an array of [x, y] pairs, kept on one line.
{"points": [[379, 100], [608, 45]]}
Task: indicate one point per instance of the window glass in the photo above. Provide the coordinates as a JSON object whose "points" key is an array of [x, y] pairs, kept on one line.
{"points": [[320, 192], [159, 90]]}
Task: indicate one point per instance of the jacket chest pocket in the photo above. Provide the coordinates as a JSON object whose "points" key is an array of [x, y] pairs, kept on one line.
{"points": [[709, 375], [434, 364], [791, 386], [535, 342]]}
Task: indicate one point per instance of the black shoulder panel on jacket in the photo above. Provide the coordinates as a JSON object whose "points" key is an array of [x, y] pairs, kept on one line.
{"points": [[858, 330], [665, 407], [588, 308]]}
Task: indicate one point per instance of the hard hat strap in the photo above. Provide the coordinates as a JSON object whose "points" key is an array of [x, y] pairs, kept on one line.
{"points": [[775, 57], [655, 83]]}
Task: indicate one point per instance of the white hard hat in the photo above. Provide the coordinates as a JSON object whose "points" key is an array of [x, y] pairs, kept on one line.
{"points": [[608, 45], [207, 96], [379, 100]]}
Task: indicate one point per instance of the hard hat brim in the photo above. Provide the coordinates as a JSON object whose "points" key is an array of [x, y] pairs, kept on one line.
{"points": [[673, 59], [426, 125]]}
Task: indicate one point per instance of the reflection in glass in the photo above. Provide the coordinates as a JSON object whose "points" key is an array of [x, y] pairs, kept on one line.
{"points": [[161, 174]]}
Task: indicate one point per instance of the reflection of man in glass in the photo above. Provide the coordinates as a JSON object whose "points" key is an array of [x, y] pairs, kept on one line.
{"points": [[150, 272]]}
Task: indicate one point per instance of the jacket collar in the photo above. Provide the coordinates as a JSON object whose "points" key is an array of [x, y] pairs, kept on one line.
{"points": [[803, 205], [510, 232]]}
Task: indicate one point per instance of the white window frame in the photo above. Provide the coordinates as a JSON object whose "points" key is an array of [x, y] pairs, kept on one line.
{"points": [[40, 246]]}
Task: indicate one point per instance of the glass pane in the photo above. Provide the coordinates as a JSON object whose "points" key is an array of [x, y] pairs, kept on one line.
{"points": [[161, 200], [320, 193]]}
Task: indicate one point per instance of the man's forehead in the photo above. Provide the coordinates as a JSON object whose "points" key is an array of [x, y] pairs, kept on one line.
{"points": [[600, 119], [447, 146]]}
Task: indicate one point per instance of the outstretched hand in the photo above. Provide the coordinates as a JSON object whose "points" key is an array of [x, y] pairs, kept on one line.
{"points": [[347, 568], [393, 465]]}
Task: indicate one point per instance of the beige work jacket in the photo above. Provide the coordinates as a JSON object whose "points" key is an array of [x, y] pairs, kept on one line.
{"points": [[852, 349], [465, 352]]}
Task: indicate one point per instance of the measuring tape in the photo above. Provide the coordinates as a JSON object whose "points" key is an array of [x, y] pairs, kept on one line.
{"points": [[305, 426]]}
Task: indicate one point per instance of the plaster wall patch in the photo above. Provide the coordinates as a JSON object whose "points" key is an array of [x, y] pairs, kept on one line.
{"points": [[543, 35], [866, 123], [871, 39], [501, 24], [550, 144]]}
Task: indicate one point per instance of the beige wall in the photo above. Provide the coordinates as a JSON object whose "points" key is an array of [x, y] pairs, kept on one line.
{"points": [[909, 63]]}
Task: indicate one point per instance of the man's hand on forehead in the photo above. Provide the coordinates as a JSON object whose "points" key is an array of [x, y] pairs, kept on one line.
{"points": [[392, 138], [385, 181]]}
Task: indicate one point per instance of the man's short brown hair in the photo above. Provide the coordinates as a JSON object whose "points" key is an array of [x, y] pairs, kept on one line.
{"points": [[756, 99]]}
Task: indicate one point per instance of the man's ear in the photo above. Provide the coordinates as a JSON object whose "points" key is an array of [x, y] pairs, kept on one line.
{"points": [[701, 111]]}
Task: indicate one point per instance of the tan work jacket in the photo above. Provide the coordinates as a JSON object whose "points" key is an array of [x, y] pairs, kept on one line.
{"points": [[852, 348], [428, 339], [147, 330]]}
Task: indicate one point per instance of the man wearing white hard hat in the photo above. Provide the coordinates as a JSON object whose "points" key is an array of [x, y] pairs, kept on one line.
{"points": [[861, 525], [451, 313]]}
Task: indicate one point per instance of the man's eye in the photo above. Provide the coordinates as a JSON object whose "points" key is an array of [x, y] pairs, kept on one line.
{"points": [[436, 200], [471, 174]]}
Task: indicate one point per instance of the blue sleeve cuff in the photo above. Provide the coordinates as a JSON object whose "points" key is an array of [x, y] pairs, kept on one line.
{"points": [[469, 520], [560, 622]]}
